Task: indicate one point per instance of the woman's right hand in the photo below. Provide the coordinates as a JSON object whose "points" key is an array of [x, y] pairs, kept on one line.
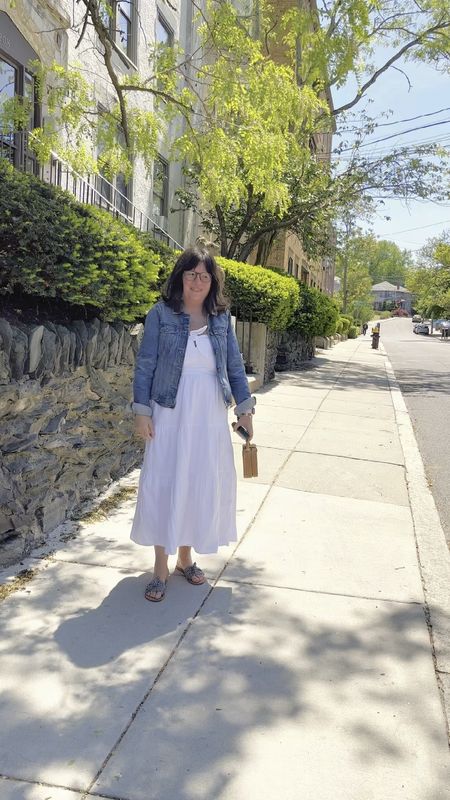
{"points": [[143, 427]]}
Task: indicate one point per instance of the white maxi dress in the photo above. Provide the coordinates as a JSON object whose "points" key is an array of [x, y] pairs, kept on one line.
{"points": [[187, 486]]}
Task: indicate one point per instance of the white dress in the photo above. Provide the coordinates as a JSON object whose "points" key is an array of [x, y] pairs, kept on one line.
{"points": [[187, 487]]}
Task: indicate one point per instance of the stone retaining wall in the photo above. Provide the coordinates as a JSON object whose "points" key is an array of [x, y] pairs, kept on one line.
{"points": [[293, 351], [65, 431], [271, 355]]}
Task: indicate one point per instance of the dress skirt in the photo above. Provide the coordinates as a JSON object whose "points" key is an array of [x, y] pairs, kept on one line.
{"points": [[187, 486]]}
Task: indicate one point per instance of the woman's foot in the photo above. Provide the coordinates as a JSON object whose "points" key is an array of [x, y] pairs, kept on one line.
{"points": [[155, 590], [191, 572]]}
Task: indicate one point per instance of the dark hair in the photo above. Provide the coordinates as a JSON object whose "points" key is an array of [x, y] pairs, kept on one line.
{"points": [[215, 302]]}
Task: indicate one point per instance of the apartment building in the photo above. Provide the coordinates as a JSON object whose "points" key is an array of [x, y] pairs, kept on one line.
{"points": [[48, 31]]}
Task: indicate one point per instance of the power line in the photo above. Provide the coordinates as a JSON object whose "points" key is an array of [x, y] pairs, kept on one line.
{"points": [[400, 133], [411, 119], [398, 121], [418, 227]]}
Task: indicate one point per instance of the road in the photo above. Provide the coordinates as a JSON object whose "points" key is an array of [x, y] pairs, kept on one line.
{"points": [[422, 368]]}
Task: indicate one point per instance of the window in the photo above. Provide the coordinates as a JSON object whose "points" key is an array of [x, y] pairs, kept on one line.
{"points": [[290, 265], [160, 187], [17, 81], [163, 38], [296, 270], [8, 90], [163, 32], [122, 26]]}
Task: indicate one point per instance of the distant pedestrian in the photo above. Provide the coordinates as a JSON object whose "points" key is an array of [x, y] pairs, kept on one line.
{"points": [[364, 328], [187, 370]]}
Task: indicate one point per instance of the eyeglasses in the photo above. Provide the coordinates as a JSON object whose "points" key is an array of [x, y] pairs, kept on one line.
{"points": [[191, 276]]}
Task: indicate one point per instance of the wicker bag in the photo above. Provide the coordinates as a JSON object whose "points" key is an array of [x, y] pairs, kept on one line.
{"points": [[250, 460]]}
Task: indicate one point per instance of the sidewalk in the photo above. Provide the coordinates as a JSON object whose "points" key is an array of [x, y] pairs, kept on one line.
{"points": [[303, 670]]}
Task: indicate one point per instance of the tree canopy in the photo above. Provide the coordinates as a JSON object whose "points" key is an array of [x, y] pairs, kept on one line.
{"points": [[430, 282], [384, 260], [250, 104]]}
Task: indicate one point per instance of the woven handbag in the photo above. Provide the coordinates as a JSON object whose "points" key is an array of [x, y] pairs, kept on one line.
{"points": [[250, 460]]}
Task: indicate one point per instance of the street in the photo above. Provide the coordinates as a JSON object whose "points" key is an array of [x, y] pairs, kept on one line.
{"points": [[422, 368]]}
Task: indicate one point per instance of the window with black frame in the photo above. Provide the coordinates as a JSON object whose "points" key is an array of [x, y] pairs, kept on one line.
{"points": [[160, 187], [124, 26], [160, 195], [120, 18], [16, 81], [163, 32], [8, 90]]}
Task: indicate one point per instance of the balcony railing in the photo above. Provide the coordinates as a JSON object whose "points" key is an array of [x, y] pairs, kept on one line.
{"points": [[92, 190]]}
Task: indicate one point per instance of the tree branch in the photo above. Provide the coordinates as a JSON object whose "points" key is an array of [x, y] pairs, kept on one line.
{"points": [[408, 46]]}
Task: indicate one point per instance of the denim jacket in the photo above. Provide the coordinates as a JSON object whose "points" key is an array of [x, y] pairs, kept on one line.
{"points": [[160, 359]]}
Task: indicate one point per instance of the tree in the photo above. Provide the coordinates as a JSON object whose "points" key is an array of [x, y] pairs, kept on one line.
{"points": [[356, 297], [248, 121], [385, 261], [430, 283]]}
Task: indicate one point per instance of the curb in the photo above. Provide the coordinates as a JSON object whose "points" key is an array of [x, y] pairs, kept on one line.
{"points": [[432, 551]]}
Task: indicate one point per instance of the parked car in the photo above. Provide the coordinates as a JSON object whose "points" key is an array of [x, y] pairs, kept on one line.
{"points": [[421, 328], [445, 329], [417, 318]]}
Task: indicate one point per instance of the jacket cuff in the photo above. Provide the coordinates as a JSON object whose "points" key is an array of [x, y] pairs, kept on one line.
{"points": [[142, 410], [246, 407]]}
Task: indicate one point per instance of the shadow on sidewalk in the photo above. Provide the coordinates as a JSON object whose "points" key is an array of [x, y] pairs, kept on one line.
{"points": [[261, 664], [257, 663]]}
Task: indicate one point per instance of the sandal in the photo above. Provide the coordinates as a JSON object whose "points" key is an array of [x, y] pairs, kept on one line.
{"points": [[155, 585], [192, 572]]}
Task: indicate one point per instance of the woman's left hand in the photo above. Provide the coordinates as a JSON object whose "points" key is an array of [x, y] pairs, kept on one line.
{"points": [[246, 420]]}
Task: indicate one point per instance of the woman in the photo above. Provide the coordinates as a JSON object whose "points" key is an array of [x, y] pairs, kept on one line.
{"points": [[187, 370]]}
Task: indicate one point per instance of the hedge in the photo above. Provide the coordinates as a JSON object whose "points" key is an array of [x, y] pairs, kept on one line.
{"points": [[316, 315], [53, 246], [270, 298]]}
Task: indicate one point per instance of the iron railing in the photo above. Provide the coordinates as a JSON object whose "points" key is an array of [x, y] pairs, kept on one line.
{"points": [[90, 189]]}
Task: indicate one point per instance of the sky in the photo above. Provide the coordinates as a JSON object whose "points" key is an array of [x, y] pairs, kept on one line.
{"points": [[410, 226]]}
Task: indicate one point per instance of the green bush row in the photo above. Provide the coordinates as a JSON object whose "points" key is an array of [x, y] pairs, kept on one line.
{"points": [[52, 246], [269, 298], [316, 314]]}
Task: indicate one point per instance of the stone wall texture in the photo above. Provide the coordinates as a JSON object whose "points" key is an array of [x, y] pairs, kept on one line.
{"points": [[272, 343], [293, 351], [65, 426]]}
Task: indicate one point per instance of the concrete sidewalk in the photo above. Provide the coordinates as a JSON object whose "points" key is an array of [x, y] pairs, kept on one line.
{"points": [[304, 669]]}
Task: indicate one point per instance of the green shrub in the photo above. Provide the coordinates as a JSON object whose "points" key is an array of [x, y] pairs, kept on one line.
{"points": [[346, 322], [339, 326], [316, 315], [269, 297], [53, 246], [168, 256], [353, 332]]}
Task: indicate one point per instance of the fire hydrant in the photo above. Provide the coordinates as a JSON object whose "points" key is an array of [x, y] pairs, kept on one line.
{"points": [[375, 336]]}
